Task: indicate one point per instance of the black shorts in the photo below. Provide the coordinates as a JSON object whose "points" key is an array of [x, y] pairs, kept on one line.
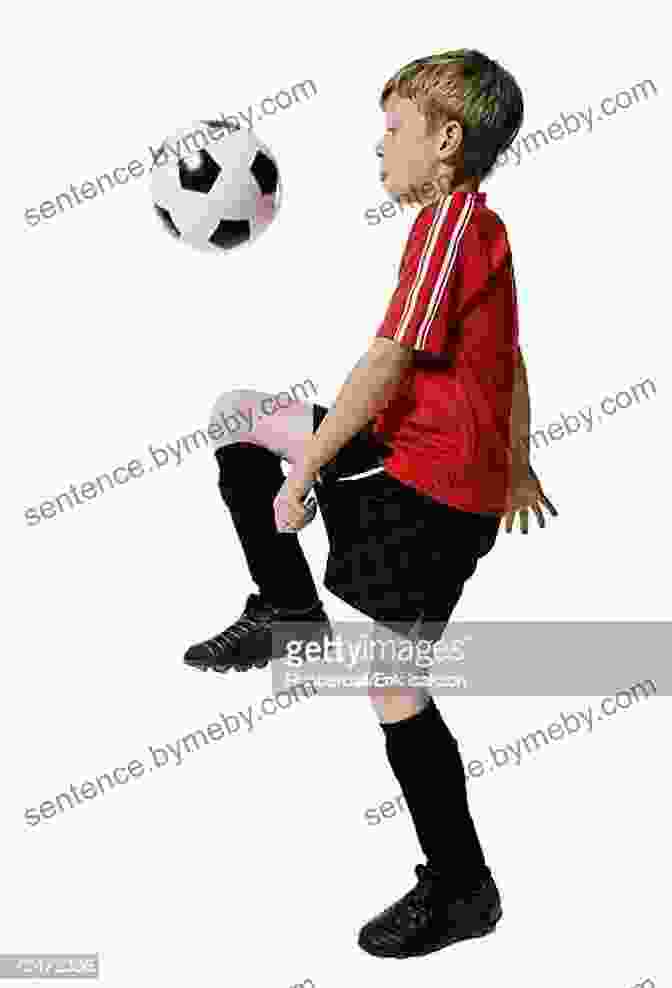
{"points": [[398, 556]]}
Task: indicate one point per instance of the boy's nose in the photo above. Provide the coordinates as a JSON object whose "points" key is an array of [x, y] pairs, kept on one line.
{"points": [[379, 149]]}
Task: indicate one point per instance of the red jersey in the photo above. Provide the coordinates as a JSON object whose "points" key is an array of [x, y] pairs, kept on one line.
{"points": [[455, 305]]}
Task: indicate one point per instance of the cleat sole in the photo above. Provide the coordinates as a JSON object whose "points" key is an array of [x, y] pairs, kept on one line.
{"points": [[202, 666], [447, 941]]}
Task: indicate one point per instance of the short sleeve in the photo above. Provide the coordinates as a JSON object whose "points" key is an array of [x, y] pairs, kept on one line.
{"points": [[426, 300]]}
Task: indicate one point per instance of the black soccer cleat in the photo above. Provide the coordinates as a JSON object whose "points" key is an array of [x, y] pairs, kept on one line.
{"points": [[261, 630], [429, 918]]}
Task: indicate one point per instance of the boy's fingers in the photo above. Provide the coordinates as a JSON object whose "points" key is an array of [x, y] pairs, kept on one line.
{"points": [[549, 506], [510, 516], [308, 513], [301, 514]]}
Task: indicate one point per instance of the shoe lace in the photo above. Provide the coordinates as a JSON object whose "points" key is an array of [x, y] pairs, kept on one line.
{"points": [[232, 635], [416, 901]]}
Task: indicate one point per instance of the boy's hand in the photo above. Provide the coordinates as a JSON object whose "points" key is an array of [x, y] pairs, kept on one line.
{"points": [[291, 514], [526, 493]]}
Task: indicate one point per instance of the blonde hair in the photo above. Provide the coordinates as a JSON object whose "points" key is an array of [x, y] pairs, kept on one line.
{"points": [[467, 86]]}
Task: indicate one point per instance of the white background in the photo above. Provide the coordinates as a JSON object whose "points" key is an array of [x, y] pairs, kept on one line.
{"points": [[252, 863]]}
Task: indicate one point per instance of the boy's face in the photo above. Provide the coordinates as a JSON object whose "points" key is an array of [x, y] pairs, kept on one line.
{"points": [[409, 157]]}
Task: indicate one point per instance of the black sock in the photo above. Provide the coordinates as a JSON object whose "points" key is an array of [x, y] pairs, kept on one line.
{"points": [[250, 477], [425, 758]]}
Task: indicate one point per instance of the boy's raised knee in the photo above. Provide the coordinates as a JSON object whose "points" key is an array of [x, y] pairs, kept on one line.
{"points": [[235, 416], [238, 399]]}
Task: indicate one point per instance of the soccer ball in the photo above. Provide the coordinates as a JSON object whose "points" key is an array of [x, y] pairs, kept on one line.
{"points": [[215, 185]]}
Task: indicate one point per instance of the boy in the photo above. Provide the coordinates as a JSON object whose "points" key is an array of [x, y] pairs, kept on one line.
{"points": [[421, 456]]}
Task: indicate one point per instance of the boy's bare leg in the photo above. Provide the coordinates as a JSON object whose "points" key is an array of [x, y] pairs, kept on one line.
{"points": [[393, 704]]}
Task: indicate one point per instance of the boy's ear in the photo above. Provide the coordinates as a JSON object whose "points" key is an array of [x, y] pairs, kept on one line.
{"points": [[452, 136]]}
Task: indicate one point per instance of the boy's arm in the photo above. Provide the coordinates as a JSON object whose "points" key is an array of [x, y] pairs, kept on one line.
{"points": [[520, 423], [422, 308], [525, 491], [367, 389]]}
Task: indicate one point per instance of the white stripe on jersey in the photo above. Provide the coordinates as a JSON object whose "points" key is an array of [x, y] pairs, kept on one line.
{"points": [[446, 270], [422, 267]]}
